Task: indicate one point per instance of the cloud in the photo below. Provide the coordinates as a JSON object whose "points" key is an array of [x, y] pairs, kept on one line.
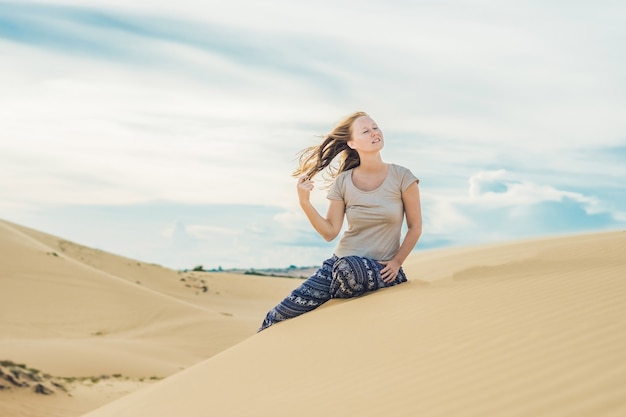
{"points": [[226, 57], [184, 235], [121, 104], [488, 182], [500, 188], [502, 205]]}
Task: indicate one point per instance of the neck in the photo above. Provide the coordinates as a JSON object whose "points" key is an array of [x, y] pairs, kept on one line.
{"points": [[371, 163]]}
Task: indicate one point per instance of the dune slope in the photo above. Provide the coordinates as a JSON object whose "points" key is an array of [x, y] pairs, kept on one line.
{"points": [[534, 328], [73, 319], [79, 313]]}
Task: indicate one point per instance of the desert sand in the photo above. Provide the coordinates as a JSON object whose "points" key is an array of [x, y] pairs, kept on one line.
{"points": [[81, 314], [527, 328]]}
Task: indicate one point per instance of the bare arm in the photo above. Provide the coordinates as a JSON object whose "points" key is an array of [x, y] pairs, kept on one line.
{"points": [[413, 213], [328, 227]]}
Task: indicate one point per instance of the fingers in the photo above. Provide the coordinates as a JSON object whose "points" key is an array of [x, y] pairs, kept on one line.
{"points": [[388, 273], [305, 182]]}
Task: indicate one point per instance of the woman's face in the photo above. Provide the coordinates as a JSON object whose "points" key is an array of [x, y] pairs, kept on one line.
{"points": [[366, 136]]}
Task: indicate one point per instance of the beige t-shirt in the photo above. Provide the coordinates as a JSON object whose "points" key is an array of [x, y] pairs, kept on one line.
{"points": [[374, 217]]}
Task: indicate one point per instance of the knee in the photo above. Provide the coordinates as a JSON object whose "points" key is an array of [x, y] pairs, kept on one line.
{"points": [[351, 276]]}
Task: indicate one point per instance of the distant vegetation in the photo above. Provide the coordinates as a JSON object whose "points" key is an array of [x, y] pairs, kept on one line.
{"points": [[292, 271], [19, 376]]}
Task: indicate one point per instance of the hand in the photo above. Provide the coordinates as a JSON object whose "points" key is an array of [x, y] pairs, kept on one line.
{"points": [[390, 271], [305, 185]]}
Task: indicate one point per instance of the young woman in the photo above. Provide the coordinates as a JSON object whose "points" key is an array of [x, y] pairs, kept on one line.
{"points": [[375, 197]]}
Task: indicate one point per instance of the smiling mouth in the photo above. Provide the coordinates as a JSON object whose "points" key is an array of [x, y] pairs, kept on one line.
{"points": [[376, 141]]}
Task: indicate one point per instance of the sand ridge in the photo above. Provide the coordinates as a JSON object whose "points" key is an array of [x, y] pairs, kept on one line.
{"points": [[535, 328]]}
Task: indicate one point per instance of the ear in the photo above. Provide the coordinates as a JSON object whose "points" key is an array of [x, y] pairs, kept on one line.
{"points": [[349, 143]]}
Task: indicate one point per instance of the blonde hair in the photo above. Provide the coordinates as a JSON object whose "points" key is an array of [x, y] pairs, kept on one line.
{"points": [[315, 159]]}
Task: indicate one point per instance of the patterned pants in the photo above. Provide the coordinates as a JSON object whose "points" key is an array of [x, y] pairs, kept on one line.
{"points": [[346, 277]]}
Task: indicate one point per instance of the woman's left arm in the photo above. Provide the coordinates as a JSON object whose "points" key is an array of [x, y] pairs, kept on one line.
{"points": [[413, 213]]}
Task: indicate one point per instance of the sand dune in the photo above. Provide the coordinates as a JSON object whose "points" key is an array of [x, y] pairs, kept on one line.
{"points": [[534, 328], [530, 328], [73, 311]]}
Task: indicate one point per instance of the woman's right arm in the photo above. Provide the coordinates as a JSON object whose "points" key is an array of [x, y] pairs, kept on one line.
{"points": [[328, 227]]}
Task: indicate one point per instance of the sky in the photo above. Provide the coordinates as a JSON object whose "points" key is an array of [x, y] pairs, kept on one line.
{"points": [[168, 131]]}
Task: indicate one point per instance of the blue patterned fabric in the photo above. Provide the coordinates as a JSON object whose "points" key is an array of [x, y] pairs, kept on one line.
{"points": [[353, 276], [346, 277]]}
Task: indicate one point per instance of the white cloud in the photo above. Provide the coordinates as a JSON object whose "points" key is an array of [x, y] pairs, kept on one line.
{"points": [[511, 191], [500, 204], [198, 231], [199, 103]]}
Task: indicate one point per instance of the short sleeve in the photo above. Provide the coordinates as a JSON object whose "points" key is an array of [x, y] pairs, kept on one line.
{"points": [[336, 191], [407, 179]]}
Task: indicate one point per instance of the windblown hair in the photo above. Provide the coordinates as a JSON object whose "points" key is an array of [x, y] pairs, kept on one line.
{"points": [[315, 159]]}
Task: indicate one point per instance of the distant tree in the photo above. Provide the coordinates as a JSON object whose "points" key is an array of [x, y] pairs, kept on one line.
{"points": [[198, 268]]}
